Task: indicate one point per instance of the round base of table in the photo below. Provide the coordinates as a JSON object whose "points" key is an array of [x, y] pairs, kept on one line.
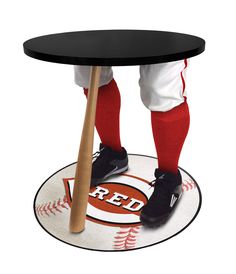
{"points": [[112, 221]]}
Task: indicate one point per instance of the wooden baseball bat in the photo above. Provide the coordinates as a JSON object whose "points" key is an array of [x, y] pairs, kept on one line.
{"points": [[84, 163]]}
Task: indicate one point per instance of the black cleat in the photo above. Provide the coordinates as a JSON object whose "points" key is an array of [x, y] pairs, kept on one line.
{"points": [[166, 194], [108, 162]]}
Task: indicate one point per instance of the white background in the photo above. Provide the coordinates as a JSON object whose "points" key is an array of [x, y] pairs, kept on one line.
{"points": [[41, 111]]}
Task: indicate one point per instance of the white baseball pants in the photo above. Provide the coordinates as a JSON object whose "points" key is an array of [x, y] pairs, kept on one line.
{"points": [[162, 86]]}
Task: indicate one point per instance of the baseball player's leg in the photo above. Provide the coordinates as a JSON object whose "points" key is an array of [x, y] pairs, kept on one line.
{"points": [[163, 93], [107, 123]]}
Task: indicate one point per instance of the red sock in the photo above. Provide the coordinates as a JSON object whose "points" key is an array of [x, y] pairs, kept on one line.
{"points": [[170, 129], [108, 115]]}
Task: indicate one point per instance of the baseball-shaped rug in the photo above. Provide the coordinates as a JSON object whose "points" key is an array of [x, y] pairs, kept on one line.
{"points": [[112, 220]]}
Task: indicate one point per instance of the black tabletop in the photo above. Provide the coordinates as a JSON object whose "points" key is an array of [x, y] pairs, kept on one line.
{"points": [[114, 47]]}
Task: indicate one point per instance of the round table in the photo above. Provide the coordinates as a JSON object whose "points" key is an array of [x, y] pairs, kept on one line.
{"points": [[106, 48], [114, 47]]}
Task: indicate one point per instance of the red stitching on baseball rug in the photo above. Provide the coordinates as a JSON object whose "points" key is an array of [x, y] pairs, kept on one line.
{"points": [[188, 185], [126, 238], [50, 208]]}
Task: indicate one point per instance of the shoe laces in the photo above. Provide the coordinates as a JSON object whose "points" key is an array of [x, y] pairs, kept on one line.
{"points": [[161, 191], [157, 180], [98, 160], [159, 183], [97, 153], [152, 183]]}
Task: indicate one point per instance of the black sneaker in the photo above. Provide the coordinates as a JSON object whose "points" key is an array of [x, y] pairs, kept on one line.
{"points": [[108, 162], [166, 194]]}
